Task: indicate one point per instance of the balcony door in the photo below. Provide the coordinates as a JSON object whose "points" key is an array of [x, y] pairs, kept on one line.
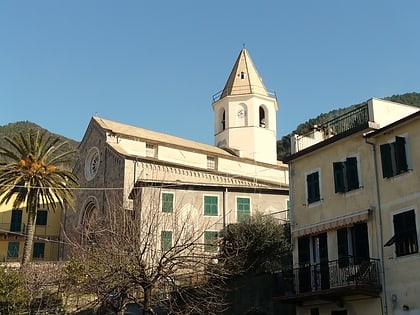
{"points": [[313, 263]]}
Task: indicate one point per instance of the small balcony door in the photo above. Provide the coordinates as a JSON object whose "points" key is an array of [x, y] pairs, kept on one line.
{"points": [[313, 263]]}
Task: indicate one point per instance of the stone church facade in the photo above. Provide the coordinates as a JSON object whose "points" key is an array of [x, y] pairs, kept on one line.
{"points": [[221, 184]]}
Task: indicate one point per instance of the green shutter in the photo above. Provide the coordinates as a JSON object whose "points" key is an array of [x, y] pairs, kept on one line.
{"points": [[313, 187], [16, 220], [338, 168], [210, 241], [13, 250], [41, 217], [243, 209], [352, 174], [210, 205], [39, 249], [166, 240], [386, 160], [343, 248], [167, 202], [400, 155]]}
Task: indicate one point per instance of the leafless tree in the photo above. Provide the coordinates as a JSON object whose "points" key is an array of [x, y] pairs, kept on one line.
{"points": [[148, 257]]}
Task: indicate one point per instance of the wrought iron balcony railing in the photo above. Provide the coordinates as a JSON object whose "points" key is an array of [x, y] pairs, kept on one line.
{"points": [[331, 276], [352, 119]]}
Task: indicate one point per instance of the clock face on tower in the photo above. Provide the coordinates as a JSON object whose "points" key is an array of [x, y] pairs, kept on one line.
{"points": [[241, 113]]}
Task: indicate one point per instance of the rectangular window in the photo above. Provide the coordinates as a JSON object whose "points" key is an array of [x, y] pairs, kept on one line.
{"points": [[243, 209], [150, 150], [211, 205], [166, 240], [394, 158], [41, 217], [211, 162], [210, 241], [353, 245], [405, 237], [167, 202], [13, 250], [312, 181], [346, 177], [39, 249], [16, 221]]}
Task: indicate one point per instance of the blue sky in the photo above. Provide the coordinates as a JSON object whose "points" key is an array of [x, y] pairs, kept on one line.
{"points": [[156, 64]]}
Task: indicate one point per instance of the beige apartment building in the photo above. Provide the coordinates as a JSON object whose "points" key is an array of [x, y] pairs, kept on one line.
{"points": [[217, 185], [354, 190]]}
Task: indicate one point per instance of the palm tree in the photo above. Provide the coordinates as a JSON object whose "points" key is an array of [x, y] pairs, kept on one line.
{"points": [[32, 170]]}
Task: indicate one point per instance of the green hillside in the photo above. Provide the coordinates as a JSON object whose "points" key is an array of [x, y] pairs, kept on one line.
{"points": [[24, 126], [283, 145]]}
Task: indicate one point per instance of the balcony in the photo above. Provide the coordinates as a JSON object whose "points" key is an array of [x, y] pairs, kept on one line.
{"points": [[329, 281], [344, 123]]}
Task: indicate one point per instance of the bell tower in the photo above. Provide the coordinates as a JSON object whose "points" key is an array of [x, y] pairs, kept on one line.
{"points": [[245, 114]]}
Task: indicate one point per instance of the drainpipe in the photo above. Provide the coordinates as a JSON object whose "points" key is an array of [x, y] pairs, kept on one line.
{"points": [[225, 194], [379, 226]]}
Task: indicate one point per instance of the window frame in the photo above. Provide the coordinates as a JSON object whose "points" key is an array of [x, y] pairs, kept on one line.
{"points": [[211, 162], [166, 237], [38, 250], [14, 250], [209, 205], [243, 214], [211, 239], [167, 206], [313, 186], [405, 246], [41, 220], [16, 220], [394, 157], [346, 175], [151, 149]]}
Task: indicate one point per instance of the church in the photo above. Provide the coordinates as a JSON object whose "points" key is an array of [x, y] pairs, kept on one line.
{"points": [[217, 185]]}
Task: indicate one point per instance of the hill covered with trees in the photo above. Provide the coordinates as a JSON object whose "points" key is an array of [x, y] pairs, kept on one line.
{"points": [[24, 126], [283, 145]]}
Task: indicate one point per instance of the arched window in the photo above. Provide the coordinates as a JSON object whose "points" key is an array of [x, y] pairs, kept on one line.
{"points": [[262, 118], [88, 221], [223, 120]]}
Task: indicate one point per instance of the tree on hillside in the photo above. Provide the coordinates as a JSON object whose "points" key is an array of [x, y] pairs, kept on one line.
{"points": [[33, 173], [153, 258]]}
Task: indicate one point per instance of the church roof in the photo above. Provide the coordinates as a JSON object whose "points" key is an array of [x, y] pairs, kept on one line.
{"points": [[157, 137], [244, 78]]}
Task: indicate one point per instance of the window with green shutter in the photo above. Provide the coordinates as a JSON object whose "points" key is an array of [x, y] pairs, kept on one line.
{"points": [[211, 239], [166, 240], [394, 158], [211, 205], [13, 250], [41, 217], [243, 209], [312, 182], [167, 202], [39, 249], [346, 176], [16, 220], [405, 237]]}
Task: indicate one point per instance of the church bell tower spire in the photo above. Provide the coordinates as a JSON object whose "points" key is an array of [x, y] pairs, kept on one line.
{"points": [[245, 114]]}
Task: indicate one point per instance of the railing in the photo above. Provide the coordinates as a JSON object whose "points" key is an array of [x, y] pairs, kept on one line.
{"points": [[341, 273], [340, 124], [246, 89]]}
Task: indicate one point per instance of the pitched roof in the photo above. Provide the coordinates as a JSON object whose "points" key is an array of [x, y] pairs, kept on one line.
{"points": [[244, 78], [157, 137]]}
